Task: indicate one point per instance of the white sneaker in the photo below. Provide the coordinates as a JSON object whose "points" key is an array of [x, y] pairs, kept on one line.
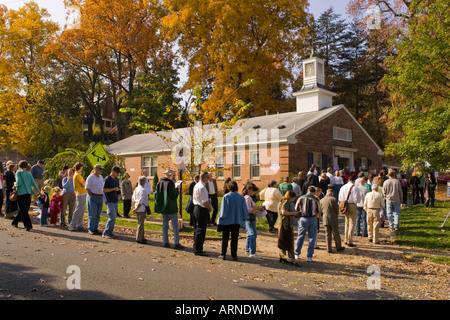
{"points": [[255, 255], [296, 256], [309, 259]]}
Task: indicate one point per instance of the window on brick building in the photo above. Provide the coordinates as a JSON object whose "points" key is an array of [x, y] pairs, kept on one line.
{"points": [[254, 165], [364, 163], [236, 165], [219, 167], [342, 134], [151, 165]]}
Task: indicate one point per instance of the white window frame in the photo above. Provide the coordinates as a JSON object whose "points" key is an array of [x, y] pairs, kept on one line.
{"points": [[317, 160], [237, 165], [364, 163], [220, 161], [338, 134], [254, 164], [152, 167]]}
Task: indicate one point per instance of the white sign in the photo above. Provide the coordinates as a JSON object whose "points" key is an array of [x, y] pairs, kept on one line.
{"points": [[274, 167], [180, 158]]}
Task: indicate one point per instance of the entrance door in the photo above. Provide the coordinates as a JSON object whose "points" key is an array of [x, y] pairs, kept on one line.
{"points": [[343, 163]]}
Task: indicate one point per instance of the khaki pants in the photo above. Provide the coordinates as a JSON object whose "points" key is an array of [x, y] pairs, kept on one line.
{"points": [[373, 224], [140, 229], [350, 222], [68, 199], [40, 184], [333, 231]]}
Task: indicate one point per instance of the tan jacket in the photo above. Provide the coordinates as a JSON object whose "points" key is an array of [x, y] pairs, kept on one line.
{"points": [[373, 200], [330, 210], [271, 197]]}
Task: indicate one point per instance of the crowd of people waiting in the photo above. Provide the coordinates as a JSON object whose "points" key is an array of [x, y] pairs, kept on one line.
{"points": [[366, 200]]}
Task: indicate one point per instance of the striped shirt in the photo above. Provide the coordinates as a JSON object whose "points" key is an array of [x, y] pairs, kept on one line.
{"points": [[308, 205]]}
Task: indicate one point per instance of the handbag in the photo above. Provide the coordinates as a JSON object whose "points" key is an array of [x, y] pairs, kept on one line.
{"points": [[13, 195], [190, 206], [180, 225], [343, 206]]}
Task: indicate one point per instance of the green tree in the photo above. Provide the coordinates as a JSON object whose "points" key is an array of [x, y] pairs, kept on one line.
{"points": [[419, 84], [154, 102]]}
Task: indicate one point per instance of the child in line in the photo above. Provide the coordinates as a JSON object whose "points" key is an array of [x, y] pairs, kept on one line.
{"points": [[248, 192], [44, 200], [55, 206]]}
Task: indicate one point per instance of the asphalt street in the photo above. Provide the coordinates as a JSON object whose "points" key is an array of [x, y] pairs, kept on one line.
{"points": [[34, 265]]}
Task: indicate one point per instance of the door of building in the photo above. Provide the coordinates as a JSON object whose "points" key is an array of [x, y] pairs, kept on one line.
{"points": [[343, 163]]}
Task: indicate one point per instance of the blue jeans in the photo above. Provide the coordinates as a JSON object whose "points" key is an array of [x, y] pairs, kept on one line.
{"points": [[111, 211], [165, 227], [361, 218], [250, 244], [306, 224], [44, 213], [94, 207], [393, 214]]}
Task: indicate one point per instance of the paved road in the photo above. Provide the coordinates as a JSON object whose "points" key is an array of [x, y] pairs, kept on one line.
{"points": [[34, 266]]}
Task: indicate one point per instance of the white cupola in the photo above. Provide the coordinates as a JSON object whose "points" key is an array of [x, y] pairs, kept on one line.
{"points": [[314, 95]]}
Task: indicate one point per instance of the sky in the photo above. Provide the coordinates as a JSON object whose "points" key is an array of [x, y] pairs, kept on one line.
{"points": [[58, 13]]}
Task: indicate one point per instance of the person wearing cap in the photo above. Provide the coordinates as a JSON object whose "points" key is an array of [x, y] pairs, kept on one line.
{"points": [[38, 173], [111, 190], [94, 188], [166, 196]]}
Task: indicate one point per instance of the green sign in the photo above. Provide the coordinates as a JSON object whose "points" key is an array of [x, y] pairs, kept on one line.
{"points": [[98, 155]]}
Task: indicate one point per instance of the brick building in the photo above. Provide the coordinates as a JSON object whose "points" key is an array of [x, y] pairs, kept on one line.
{"points": [[271, 146]]}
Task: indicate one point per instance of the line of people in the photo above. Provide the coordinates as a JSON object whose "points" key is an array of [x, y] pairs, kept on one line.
{"points": [[301, 204]]}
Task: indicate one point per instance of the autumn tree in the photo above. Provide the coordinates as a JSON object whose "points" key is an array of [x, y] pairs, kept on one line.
{"points": [[118, 39], [225, 43], [38, 116]]}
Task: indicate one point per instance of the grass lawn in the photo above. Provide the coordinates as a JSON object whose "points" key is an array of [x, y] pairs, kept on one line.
{"points": [[421, 227]]}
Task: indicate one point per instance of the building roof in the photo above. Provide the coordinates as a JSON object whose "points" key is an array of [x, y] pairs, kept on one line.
{"points": [[289, 125]]}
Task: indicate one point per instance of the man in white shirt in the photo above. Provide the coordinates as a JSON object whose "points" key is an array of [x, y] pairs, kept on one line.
{"points": [[200, 215], [331, 177], [94, 188], [140, 200], [350, 192]]}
